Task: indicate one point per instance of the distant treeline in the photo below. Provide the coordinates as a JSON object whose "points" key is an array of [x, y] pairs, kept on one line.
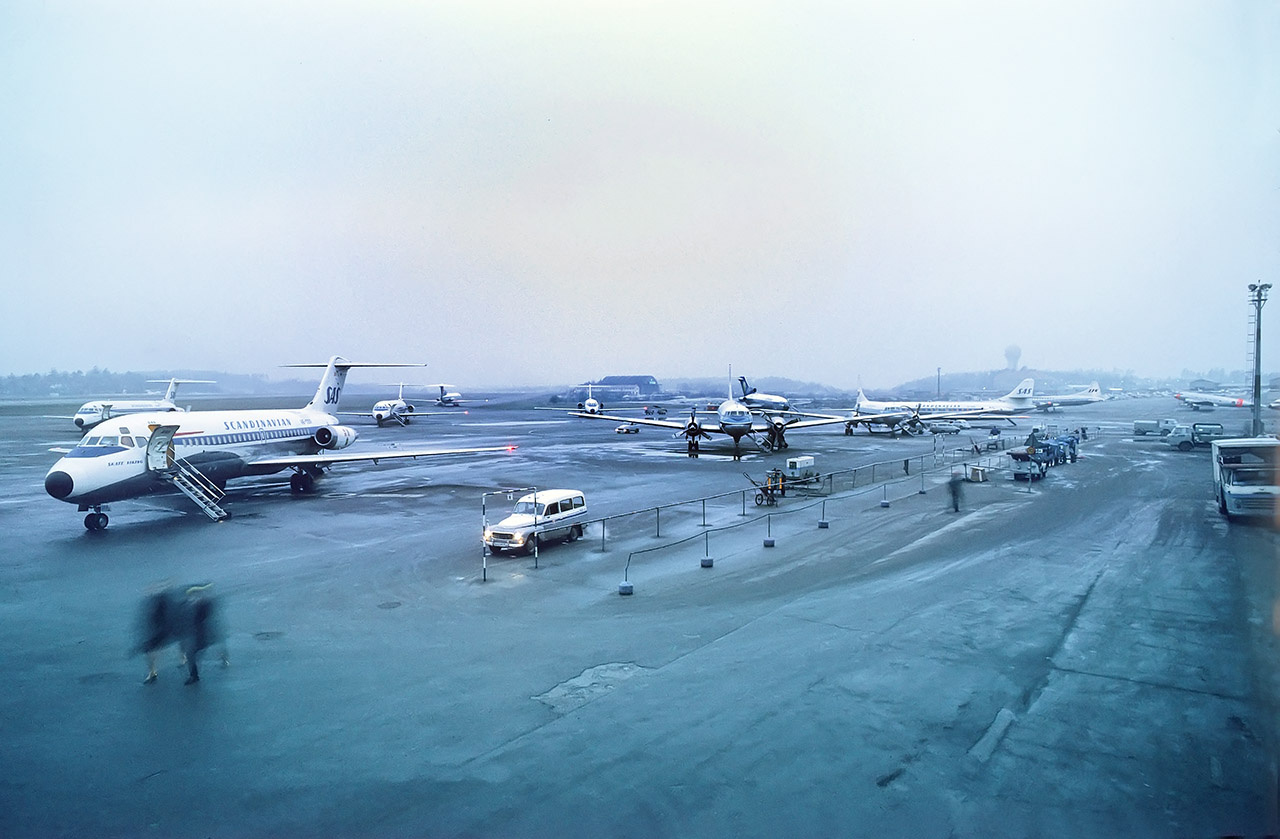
{"points": [[102, 382]]}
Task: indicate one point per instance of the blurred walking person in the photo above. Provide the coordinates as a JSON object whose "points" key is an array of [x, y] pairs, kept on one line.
{"points": [[199, 628], [156, 626]]}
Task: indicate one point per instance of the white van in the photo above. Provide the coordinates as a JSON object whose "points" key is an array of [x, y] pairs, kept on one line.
{"points": [[1246, 477], [537, 518]]}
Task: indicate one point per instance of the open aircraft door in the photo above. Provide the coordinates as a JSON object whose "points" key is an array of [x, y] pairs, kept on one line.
{"points": [[160, 448]]}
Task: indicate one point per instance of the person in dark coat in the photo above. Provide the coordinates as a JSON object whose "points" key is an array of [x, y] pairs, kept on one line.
{"points": [[956, 485], [198, 628], [156, 627]]}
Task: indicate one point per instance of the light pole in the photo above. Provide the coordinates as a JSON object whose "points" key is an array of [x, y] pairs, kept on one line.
{"points": [[1258, 297]]}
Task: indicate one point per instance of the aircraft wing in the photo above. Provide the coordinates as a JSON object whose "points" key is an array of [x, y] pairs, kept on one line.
{"points": [[325, 458], [813, 422], [657, 423]]}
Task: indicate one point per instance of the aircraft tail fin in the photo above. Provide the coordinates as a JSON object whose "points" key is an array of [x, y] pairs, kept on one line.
{"points": [[1023, 392], [333, 380], [172, 389], [331, 384]]}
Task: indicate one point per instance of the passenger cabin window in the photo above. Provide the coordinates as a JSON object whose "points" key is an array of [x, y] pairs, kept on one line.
{"points": [[553, 508]]}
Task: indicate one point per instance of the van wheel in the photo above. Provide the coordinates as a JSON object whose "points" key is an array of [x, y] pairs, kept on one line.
{"points": [[531, 545], [575, 533], [1184, 446]]}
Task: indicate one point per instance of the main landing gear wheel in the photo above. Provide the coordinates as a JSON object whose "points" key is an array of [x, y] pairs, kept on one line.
{"points": [[94, 522], [301, 483]]}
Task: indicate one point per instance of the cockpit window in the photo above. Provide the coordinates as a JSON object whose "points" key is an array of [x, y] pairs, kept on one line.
{"points": [[110, 441], [126, 441], [91, 441]]}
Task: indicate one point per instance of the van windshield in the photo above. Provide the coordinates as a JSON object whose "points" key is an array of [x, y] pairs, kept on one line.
{"points": [[528, 508]]}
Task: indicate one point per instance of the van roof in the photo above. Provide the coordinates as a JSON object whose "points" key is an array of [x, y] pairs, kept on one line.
{"points": [[547, 496], [1246, 442]]}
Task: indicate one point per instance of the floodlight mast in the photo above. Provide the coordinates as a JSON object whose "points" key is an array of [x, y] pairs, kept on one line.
{"points": [[1258, 297]]}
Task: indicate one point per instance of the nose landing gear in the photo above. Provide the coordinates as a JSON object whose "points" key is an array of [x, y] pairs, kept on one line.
{"points": [[96, 521]]}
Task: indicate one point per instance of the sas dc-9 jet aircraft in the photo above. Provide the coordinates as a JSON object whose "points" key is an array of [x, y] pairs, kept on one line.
{"points": [[92, 413], [197, 452]]}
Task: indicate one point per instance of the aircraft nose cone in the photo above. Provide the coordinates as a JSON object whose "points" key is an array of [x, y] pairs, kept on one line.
{"points": [[58, 484]]}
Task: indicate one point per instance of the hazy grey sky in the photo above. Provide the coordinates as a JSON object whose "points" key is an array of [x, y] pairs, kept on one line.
{"points": [[538, 192]]}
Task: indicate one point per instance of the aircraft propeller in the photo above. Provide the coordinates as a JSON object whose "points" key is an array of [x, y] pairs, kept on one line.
{"points": [[777, 432], [692, 430]]}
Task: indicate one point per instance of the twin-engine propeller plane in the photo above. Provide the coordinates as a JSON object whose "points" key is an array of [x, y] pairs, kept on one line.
{"points": [[92, 413], [197, 452], [912, 417], [734, 418]]}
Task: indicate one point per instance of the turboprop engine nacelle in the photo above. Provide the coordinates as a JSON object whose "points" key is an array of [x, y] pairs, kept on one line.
{"points": [[334, 436]]}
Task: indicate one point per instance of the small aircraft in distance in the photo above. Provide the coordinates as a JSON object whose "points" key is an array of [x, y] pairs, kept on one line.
{"points": [[1208, 401], [753, 398], [1087, 396], [197, 452], [734, 419], [391, 410], [448, 399], [590, 405], [92, 413]]}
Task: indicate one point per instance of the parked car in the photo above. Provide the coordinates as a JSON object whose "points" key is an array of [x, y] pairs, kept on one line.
{"points": [[627, 428], [537, 518]]}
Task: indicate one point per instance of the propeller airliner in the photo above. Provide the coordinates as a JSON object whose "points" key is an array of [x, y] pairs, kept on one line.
{"points": [[734, 418]]}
